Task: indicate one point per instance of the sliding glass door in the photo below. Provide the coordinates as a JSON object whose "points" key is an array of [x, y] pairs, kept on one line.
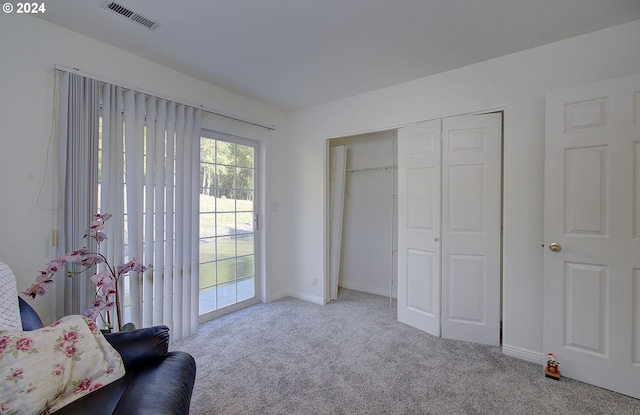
{"points": [[228, 167]]}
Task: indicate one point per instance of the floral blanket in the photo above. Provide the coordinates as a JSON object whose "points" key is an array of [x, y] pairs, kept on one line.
{"points": [[46, 369]]}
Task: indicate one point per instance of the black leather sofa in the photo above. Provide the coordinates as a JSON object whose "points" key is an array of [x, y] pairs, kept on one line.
{"points": [[157, 382]]}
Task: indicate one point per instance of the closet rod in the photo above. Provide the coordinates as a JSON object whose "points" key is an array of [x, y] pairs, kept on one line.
{"points": [[202, 107], [370, 169]]}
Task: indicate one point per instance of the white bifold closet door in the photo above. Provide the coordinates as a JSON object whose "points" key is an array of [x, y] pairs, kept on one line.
{"points": [[449, 218], [419, 181]]}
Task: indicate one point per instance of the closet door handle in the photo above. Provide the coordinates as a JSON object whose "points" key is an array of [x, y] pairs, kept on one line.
{"points": [[436, 239]]}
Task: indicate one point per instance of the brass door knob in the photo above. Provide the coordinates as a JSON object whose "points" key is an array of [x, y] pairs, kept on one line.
{"points": [[555, 247]]}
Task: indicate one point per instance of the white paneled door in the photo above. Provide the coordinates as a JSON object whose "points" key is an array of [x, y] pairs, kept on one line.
{"points": [[419, 181], [471, 217], [449, 200], [592, 233]]}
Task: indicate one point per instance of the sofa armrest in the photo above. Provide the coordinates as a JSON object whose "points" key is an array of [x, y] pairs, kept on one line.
{"points": [[141, 347], [165, 389]]}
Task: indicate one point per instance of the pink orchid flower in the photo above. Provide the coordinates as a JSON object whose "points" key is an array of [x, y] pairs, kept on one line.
{"points": [[94, 311], [37, 288], [103, 217], [91, 260], [104, 279], [76, 256], [34, 291], [132, 265], [55, 265], [100, 236], [96, 224], [43, 277]]}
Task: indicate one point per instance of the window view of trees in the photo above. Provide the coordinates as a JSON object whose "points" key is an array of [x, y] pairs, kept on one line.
{"points": [[226, 170]]}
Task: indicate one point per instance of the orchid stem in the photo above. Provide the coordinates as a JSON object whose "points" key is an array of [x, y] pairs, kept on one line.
{"points": [[118, 315]]}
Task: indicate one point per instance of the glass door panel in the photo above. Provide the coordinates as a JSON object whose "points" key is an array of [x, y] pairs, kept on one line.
{"points": [[227, 212]]}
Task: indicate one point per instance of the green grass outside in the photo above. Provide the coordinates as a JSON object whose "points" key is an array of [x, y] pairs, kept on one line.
{"points": [[224, 209], [218, 254]]}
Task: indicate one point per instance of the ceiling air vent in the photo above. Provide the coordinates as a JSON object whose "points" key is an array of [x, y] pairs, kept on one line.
{"points": [[130, 14]]}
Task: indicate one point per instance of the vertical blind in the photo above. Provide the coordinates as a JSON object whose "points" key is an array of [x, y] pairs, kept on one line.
{"points": [[148, 181], [78, 136]]}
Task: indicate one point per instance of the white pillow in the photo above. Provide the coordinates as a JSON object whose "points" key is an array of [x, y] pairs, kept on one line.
{"points": [[9, 308], [45, 369]]}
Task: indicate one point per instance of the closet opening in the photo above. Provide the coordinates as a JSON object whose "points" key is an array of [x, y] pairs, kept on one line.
{"points": [[415, 214], [362, 214]]}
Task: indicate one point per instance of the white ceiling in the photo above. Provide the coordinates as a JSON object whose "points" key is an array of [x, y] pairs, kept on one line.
{"points": [[298, 53]]}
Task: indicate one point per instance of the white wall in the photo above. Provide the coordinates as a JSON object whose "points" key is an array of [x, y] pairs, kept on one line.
{"points": [[30, 47], [367, 240], [516, 83]]}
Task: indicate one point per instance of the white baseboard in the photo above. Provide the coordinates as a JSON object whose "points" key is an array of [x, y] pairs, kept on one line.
{"points": [[365, 288], [306, 297], [278, 296], [524, 354]]}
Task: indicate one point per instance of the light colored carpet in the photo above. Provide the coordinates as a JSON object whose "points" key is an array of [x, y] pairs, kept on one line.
{"points": [[353, 357]]}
